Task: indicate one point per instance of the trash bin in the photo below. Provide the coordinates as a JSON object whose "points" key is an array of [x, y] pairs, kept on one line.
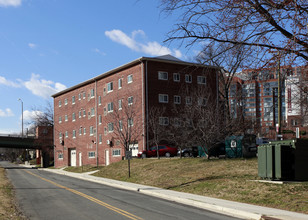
{"points": [[284, 160]]}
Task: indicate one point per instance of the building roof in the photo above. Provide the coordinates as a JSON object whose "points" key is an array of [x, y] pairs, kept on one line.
{"points": [[165, 58]]}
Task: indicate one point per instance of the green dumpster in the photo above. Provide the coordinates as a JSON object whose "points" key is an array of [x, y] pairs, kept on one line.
{"points": [[284, 160]]}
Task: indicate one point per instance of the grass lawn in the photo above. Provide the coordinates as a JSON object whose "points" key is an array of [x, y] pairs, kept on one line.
{"points": [[231, 179], [8, 209]]}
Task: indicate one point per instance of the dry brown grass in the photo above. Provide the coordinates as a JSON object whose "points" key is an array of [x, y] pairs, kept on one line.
{"points": [[225, 179], [8, 209]]}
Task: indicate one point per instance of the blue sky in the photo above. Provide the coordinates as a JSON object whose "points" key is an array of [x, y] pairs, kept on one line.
{"points": [[49, 45]]}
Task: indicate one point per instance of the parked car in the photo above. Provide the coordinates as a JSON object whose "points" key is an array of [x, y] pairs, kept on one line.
{"points": [[163, 150], [188, 152]]}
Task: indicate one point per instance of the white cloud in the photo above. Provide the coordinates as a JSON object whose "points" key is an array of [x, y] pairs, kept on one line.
{"points": [[32, 45], [31, 115], [96, 50], [6, 113], [7, 3], [152, 48], [43, 88], [9, 83]]}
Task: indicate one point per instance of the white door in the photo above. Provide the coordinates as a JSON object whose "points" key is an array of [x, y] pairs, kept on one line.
{"points": [[107, 157], [73, 158], [80, 159], [134, 149]]}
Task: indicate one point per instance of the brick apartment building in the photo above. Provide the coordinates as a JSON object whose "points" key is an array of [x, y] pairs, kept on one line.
{"points": [[83, 129], [258, 101]]}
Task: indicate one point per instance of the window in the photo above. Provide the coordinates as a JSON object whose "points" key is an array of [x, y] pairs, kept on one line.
{"points": [[60, 119], [60, 135], [177, 122], [92, 112], [73, 100], [163, 98], [79, 114], [80, 131], [60, 103], [109, 87], [164, 121], [116, 152], [91, 154], [84, 113], [60, 156], [65, 101], [74, 133], [129, 78], [177, 99], [84, 95], [79, 96], [100, 139], [91, 130], [188, 100], [119, 83], [110, 127], [176, 77], [66, 134], [201, 101], [92, 93], [130, 122], [84, 131], [201, 80], [99, 100], [130, 100], [162, 75], [110, 107], [188, 78], [73, 117], [66, 118], [120, 104], [100, 119], [120, 125]]}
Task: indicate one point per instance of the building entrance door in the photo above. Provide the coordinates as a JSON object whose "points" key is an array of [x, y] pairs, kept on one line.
{"points": [[73, 157], [80, 159], [107, 157]]}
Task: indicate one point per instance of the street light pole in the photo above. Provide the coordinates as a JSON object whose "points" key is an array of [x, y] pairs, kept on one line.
{"points": [[22, 117]]}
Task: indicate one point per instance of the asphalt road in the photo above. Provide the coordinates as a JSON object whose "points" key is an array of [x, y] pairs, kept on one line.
{"points": [[45, 195]]}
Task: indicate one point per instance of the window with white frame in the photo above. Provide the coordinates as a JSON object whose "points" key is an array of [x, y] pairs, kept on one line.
{"points": [[92, 93], [60, 119], [120, 125], [66, 134], [109, 87], [80, 131], [201, 101], [110, 107], [201, 80], [84, 113], [79, 114], [177, 99], [79, 96], [74, 133], [100, 119], [84, 95], [91, 130], [110, 127], [120, 104], [92, 112], [163, 98], [119, 83], [188, 100], [66, 118], [65, 101], [84, 131], [130, 78], [100, 139], [73, 100], [60, 156], [130, 122], [164, 121], [91, 154], [73, 117], [162, 75], [60, 103], [177, 122], [116, 152], [176, 77], [60, 135], [188, 78], [99, 100], [130, 100]]}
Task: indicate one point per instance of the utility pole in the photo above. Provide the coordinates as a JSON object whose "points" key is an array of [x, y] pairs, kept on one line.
{"points": [[279, 97], [22, 117]]}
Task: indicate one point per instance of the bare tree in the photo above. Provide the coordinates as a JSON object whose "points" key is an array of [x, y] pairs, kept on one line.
{"points": [[43, 116], [126, 122], [263, 25]]}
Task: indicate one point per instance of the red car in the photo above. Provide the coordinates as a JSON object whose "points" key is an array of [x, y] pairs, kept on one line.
{"points": [[163, 150]]}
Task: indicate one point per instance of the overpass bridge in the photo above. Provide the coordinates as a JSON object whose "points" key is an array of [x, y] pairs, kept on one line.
{"points": [[11, 141]]}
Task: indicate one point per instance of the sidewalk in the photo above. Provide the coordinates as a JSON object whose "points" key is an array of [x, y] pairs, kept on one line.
{"points": [[236, 209]]}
